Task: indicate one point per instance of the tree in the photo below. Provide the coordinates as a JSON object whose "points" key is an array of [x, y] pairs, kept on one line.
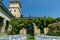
{"points": [[43, 22], [17, 25], [26, 23], [54, 31], [39, 23], [14, 24], [57, 19]]}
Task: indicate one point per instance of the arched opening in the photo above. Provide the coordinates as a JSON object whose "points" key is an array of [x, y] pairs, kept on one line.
{"points": [[30, 30], [1, 23], [42, 30], [7, 25]]}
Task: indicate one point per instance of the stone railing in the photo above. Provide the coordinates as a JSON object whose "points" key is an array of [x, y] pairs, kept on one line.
{"points": [[44, 37], [13, 37]]}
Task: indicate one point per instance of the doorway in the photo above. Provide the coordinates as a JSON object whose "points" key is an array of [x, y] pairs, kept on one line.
{"points": [[1, 23], [7, 26], [30, 30]]}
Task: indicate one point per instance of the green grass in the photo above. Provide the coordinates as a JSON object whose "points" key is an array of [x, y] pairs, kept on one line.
{"points": [[3, 34], [30, 38]]}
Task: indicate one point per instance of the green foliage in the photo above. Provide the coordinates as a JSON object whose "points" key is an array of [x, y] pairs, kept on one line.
{"points": [[37, 21], [30, 38], [14, 22], [26, 23], [50, 20], [54, 31], [41, 23], [58, 19], [16, 25]]}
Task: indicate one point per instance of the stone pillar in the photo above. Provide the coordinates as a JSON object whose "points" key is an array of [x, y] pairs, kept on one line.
{"points": [[3, 28], [46, 30], [36, 30], [23, 31]]}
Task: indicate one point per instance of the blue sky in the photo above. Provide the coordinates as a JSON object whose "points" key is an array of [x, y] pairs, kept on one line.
{"points": [[38, 8]]}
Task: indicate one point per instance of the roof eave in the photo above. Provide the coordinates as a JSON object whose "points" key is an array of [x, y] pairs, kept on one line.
{"points": [[6, 9]]}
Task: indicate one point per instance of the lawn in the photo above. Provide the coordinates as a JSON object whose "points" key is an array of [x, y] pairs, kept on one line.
{"points": [[30, 38]]}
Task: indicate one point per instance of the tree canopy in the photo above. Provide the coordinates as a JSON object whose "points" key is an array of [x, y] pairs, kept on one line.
{"points": [[40, 22]]}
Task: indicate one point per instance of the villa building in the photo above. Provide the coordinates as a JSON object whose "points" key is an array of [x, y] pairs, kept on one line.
{"points": [[13, 12], [5, 17]]}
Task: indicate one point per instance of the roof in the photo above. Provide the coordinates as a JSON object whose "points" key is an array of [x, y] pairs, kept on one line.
{"points": [[1, 5]]}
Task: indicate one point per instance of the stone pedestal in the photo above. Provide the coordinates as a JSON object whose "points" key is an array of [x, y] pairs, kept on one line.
{"points": [[23, 31], [36, 30], [46, 30]]}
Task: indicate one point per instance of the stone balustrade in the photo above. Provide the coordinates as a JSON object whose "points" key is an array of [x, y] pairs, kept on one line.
{"points": [[44, 37], [13, 37]]}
